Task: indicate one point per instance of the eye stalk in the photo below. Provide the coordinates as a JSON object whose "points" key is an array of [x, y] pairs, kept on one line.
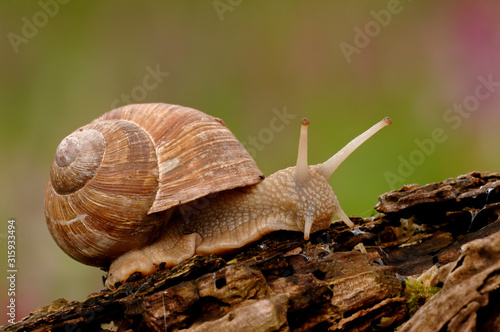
{"points": [[331, 164], [304, 178], [302, 169]]}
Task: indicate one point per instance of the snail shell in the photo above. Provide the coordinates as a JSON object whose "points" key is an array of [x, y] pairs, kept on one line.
{"points": [[114, 182]]}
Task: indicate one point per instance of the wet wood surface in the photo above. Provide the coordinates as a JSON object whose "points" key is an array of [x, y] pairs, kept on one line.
{"points": [[429, 260]]}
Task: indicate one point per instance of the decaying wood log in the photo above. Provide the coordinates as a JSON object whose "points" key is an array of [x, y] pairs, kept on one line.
{"points": [[470, 297], [441, 238]]}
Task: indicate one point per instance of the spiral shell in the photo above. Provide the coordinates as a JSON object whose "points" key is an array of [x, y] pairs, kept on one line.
{"points": [[114, 182]]}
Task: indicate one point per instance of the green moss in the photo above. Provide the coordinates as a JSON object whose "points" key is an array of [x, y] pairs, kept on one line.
{"points": [[418, 294]]}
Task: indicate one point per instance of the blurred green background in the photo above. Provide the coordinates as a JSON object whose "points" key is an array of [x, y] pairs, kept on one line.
{"points": [[344, 65]]}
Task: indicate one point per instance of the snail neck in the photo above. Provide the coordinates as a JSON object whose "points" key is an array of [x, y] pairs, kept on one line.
{"points": [[243, 215]]}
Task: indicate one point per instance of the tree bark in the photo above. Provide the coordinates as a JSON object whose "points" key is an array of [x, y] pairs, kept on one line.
{"points": [[428, 261]]}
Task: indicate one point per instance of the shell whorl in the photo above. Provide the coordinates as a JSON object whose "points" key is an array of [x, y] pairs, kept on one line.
{"points": [[73, 169], [107, 203]]}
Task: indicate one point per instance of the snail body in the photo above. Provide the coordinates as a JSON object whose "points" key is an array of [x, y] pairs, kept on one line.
{"points": [[153, 184]]}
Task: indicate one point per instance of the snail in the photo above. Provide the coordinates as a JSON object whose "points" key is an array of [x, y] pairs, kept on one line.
{"points": [[146, 186]]}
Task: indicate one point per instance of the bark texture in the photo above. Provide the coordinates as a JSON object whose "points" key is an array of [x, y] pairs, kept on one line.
{"points": [[428, 261]]}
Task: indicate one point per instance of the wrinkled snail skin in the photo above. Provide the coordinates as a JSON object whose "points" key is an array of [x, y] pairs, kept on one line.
{"points": [[134, 199], [231, 219]]}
